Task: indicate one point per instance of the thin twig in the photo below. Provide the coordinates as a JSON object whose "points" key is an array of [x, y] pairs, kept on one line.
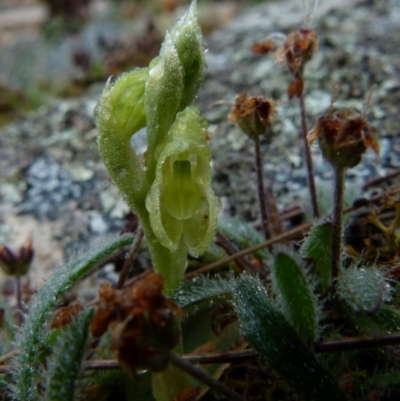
{"points": [[344, 344], [133, 251], [379, 180], [337, 220], [102, 364], [307, 155], [204, 377], [247, 251], [358, 342], [232, 249]]}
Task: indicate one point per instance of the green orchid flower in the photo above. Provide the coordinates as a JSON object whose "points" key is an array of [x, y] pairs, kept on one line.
{"points": [[181, 202]]}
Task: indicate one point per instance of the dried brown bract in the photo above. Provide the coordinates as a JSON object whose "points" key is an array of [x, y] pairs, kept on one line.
{"points": [[344, 136], [295, 88], [65, 315], [254, 115], [264, 47], [142, 322]]}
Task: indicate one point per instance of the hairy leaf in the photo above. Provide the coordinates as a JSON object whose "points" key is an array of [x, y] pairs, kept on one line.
{"points": [[387, 319], [363, 289], [29, 340], [201, 293], [279, 345], [318, 247], [295, 294], [66, 362]]}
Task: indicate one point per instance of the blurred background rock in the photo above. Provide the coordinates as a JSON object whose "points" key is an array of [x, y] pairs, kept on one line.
{"points": [[59, 47]]}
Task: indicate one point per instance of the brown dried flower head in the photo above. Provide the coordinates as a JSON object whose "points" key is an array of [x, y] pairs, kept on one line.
{"points": [[142, 322], [16, 264], [254, 115], [298, 49], [344, 136]]}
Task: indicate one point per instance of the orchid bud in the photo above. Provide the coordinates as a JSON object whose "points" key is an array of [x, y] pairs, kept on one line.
{"points": [[164, 89], [254, 115], [188, 41], [344, 136], [181, 202], [122, 105]]}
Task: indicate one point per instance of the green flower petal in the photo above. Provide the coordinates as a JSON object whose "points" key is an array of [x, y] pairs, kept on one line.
{"points": [[181, 200], [167, 229], [182, 196], [200, 230]]}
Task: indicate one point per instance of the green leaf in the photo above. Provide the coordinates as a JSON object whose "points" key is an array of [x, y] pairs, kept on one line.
{"points": [[279, 345], [66, 362], [29, 340], [201, 293], [139, 389], [318, 247], [363, 289], [383, 380], [387, 319], [169, 383], [298, 301]]}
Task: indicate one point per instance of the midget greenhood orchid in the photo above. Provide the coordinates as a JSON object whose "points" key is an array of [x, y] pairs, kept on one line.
{"points": [[169, 187]]}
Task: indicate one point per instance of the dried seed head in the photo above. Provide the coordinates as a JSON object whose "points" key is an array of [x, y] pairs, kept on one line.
{"points": [[344, 136], [141, 320], [297, 50], [7, 258], [254, 115], [26, 253], [16, 264]]}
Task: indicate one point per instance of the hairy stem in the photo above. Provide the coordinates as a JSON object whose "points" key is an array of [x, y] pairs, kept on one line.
{"points": [[261, 187], [307, 155], [337, 220]]}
